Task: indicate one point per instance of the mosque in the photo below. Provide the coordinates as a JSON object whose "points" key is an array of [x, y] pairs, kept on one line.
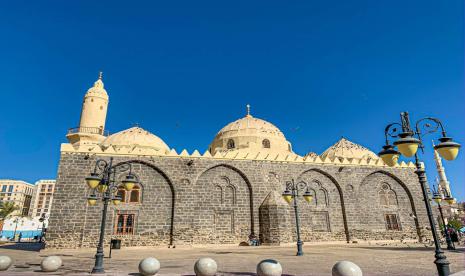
{"points": [[230, 190]]}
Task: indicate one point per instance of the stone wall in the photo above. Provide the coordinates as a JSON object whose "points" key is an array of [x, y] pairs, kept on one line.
{"points": [[208, 200]]}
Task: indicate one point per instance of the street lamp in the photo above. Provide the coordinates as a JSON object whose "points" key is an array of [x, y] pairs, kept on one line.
{"points": [[438, 196], [103, 180], [292, 192], [408, 145], [43, 218]]}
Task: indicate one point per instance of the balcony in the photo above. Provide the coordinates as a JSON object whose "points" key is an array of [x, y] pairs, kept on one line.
{"points": [[90, 130]]}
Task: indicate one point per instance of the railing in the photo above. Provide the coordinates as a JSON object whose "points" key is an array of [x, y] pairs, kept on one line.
{"points": [[91, 130]]}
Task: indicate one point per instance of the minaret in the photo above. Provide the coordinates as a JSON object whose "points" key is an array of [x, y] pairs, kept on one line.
{"points": [[91, 127], [443, 182]]}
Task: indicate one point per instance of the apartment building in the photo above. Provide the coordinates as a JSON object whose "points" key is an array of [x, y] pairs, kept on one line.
{"points": [[42, 197], [19, 192]]}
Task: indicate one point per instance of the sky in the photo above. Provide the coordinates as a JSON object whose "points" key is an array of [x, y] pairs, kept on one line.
{"points": [[318, 70]]}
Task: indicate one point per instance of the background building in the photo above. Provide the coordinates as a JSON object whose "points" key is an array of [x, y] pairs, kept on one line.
{"points": [[42, 197], [19, 192], [27, 226]]}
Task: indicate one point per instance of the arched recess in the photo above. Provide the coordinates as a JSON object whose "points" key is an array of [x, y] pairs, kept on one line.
{"points": [[341, 197], [240, 192], [171, 187], [407, 191]]}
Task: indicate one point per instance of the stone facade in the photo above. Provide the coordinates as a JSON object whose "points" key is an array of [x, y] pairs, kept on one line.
{"points": [[187, 200]]}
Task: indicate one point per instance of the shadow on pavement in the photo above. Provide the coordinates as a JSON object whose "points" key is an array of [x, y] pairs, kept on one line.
{"points": [[32, 246], [458, 250]]}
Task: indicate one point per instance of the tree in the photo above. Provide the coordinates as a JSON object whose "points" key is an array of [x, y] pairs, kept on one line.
{"points": [[6, 209], [455, 223]]}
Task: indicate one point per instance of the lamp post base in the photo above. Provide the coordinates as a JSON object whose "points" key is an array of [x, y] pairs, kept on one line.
{"points": [[98, 271], [98, 267], [299, 248], [442, 264]]}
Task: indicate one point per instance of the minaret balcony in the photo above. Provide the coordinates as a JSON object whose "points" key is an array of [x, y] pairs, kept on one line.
{"points": [[88, 130]]}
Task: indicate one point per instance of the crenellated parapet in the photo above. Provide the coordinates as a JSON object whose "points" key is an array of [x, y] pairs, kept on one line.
{"points": [[231, 155]]}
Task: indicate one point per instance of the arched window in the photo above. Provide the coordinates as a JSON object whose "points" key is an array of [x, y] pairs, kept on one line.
{"points": [[230, 195], [387, 197], [392, 198], [230, 144], [324, 197], [218, 197], [122, 193], [134, 195], [266, 143]]}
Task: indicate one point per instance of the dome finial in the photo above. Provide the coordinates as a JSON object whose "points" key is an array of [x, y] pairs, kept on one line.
{"points": [[248, 110], [99, 82]]}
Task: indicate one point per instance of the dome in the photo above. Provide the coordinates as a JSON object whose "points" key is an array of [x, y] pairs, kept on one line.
{"points": [[347, 149], [135, 137], [252, 135]]}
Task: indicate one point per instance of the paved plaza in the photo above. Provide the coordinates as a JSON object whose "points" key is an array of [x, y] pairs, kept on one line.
{"points": [[374, 259]]}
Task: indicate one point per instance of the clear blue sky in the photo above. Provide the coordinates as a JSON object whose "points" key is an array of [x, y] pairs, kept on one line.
{"points": [[318, 70]]}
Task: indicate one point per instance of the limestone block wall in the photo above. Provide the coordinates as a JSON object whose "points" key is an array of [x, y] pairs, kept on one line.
{"points": [[274, 220], [188, 200]]}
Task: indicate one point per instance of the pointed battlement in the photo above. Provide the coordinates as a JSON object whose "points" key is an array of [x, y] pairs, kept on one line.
{"points": [[231, 155]]}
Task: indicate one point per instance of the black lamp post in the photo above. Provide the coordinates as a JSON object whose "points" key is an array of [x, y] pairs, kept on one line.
{"points": [[438, 197], [408, 144], [292, 192], [103, 180]]}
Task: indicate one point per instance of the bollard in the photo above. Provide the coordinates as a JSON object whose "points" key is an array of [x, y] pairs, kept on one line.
{"points": [[269, 267], [5, 262], [205, 267], [149, 266], [51, 264], [346, 268]]}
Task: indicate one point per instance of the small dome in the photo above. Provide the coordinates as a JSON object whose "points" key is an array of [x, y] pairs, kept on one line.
{"points": [[135, 137], [252, 135], [347, 149], [311, 154]]}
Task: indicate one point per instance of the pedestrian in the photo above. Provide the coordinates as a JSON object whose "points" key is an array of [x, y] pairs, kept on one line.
{"points": [[20, 236], [454, 237]]}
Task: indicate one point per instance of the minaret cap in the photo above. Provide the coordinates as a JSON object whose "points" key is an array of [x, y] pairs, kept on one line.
{"points": [[248, 110], [99, 82]]}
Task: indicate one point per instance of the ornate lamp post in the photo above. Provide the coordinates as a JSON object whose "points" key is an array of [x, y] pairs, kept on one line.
{"points": [[438, 197], [408, 144], [292, 192], [103, 181]]}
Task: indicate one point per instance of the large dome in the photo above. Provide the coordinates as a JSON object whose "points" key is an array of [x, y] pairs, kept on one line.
{"points": [[252, 135], [135, 137]]}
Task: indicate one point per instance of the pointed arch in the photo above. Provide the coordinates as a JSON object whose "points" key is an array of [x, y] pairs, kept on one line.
{"points": [[407, 191], [246, 180], [171, 186], [341, 197]]}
